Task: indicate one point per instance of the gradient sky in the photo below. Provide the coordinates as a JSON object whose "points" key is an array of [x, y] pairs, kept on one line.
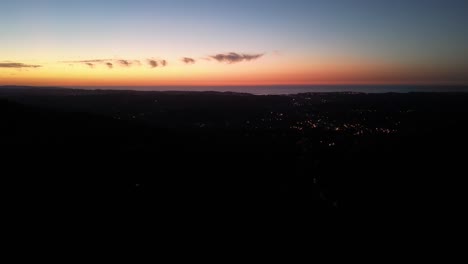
{"points": [[226, 42]]}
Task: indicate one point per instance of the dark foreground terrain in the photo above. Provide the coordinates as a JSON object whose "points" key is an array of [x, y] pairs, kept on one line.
{"points": [[180, 155]]}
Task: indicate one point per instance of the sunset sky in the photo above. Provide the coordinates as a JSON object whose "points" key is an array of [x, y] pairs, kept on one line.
{"points": [[227, 42]]}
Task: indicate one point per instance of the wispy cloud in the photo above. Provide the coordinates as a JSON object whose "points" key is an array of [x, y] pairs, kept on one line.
{"points": [[111, 63], [17, 65], [91, 63], [125, 63], [187, 60], [85, 61], [233, 57]]}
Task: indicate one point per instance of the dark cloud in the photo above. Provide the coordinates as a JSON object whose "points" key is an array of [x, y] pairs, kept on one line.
{"points": [[188, 60], [125, 63], [110, 65], [153, 63], [17, 65], [91, 65], [233, 57], [157, 63]]}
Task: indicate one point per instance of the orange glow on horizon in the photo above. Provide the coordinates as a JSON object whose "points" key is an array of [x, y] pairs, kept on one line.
{"points": [[268, 71]]}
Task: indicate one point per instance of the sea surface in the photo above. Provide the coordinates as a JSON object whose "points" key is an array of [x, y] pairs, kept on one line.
{"points": [[294, 89]]}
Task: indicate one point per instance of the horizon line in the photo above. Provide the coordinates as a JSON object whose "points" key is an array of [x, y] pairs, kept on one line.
{"points": [[248, 85]]}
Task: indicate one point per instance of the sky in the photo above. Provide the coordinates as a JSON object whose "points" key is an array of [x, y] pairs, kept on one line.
{"points": [[226, 42]]}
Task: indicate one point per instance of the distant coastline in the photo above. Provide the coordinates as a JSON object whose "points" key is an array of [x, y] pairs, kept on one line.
{"points": [[274, 89]]}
